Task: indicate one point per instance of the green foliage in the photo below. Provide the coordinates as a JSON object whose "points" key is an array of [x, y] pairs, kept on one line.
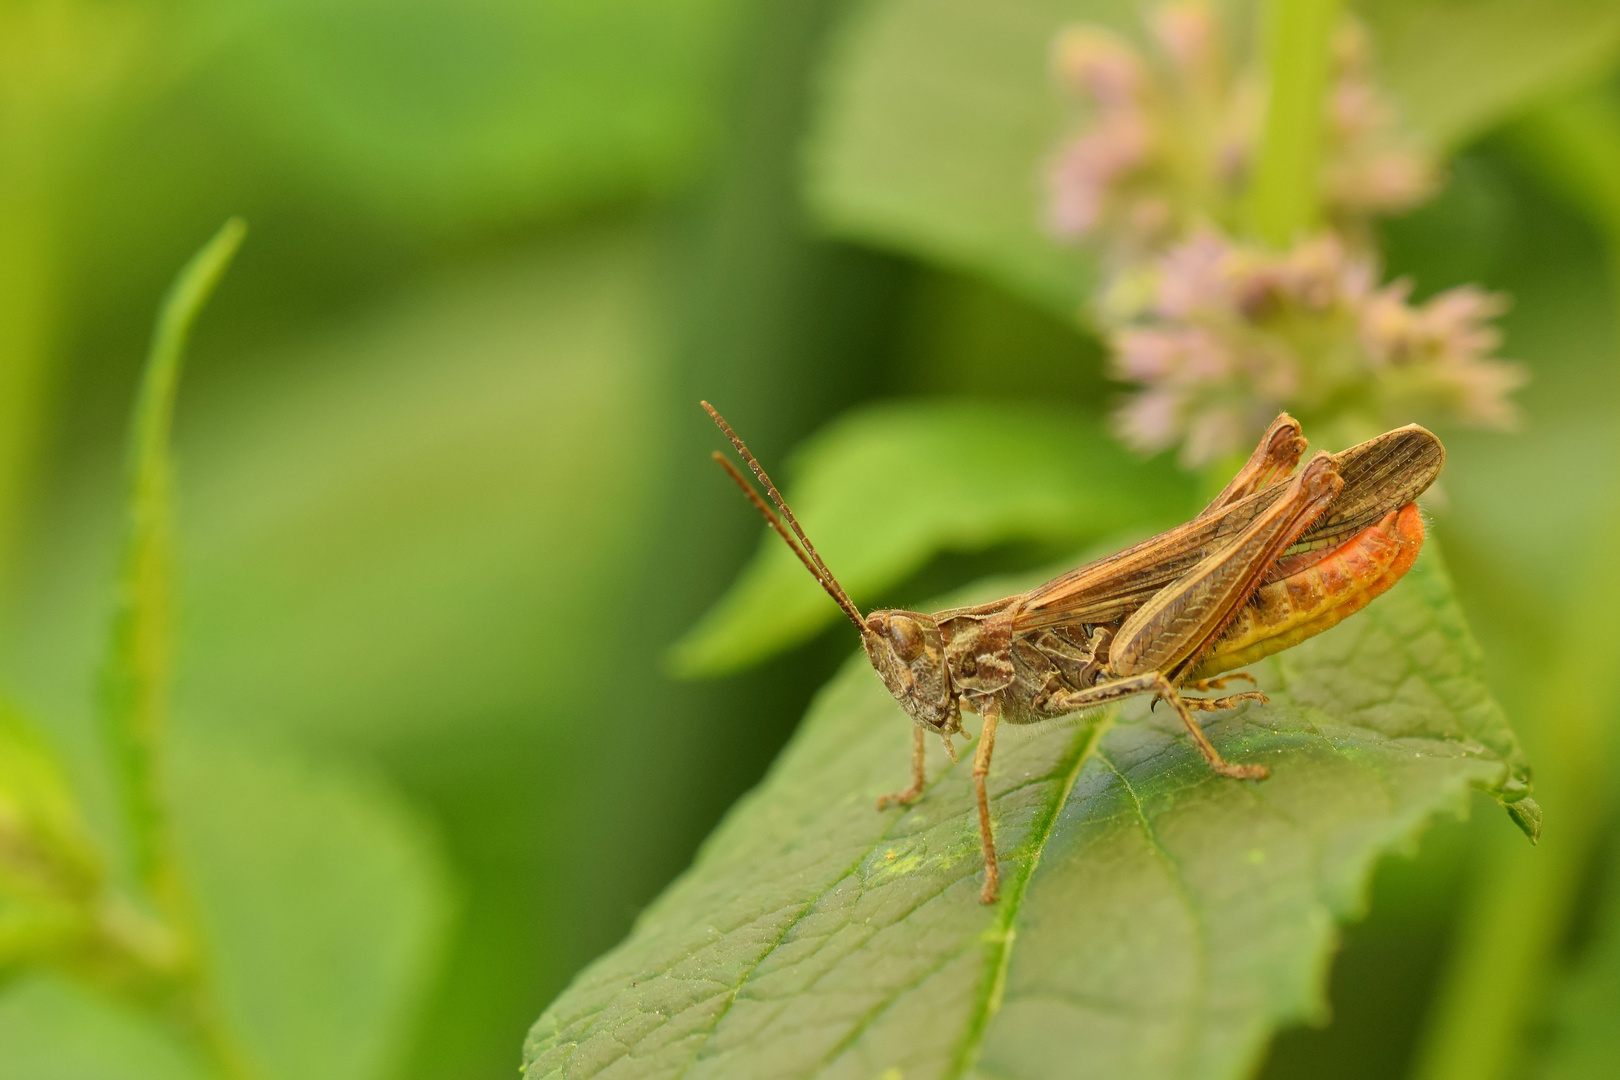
{"points": [[1585, 1040], [380, 536], [445, 505], [886, 488], [437, 112], [57, 1030], [1512, 930], [1156, 919], [49, 869], [323, 902], [293, 917], [938, 114], [1458, 69]]}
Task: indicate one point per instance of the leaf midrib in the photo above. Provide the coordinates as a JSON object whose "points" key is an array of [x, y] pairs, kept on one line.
{"points": [[998, 955], [798, 918]]}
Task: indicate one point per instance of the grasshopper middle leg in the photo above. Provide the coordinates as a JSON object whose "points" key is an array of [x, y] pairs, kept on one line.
{"points": [[981, 769]]}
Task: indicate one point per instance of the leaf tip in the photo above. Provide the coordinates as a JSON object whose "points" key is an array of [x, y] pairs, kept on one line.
{"points": [[1526, 814]]}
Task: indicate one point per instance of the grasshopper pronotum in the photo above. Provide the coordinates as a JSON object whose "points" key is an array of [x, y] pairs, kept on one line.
{"points": [[1277, 557]]}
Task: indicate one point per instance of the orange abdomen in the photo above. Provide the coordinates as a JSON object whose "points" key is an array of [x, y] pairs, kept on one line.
{"points": [[1318, 595]]}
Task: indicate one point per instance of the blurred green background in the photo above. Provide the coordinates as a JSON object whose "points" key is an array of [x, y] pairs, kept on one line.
{"points": [[444, 502]]}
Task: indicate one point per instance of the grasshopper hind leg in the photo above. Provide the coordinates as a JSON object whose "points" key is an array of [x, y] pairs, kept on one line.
{"points": [[1185, 707], [1155, 683]]}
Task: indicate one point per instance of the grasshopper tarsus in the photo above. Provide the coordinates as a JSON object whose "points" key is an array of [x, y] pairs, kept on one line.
{"points": [[1277, 557], [992, 885], [1228, 702], [1204, 686]]}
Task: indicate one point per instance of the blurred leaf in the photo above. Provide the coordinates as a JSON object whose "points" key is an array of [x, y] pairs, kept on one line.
{"points": [[1560, 585], [1460, 67], [49, 869], [435, 110], [324, 903], [381, 519], [137, 670], [1585, 1040], [54, 1030], [938, 114], [409, 532], [935, 119], [887, 487], [1155, 919], [382, 524]]}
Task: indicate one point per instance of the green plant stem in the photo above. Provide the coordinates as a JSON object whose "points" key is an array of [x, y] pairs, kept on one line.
{"points": [[1281, 201], [137, 675], [137, 672], [1510, 934]]}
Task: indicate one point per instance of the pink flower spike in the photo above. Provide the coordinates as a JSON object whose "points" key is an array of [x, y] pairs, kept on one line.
{"points": [[1194, 276], [1189, 35], [1094, 62], [1147, 421], [1144, 355], [1213, 434]]}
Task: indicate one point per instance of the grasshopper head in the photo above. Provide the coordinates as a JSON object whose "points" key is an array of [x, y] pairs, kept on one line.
{"points": [[905, 647], [908, 652]]}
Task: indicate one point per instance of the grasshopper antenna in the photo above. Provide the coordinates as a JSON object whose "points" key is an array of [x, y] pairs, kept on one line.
{"points": [[807, 553]]}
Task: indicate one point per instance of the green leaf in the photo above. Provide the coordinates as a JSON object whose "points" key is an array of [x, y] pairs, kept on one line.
{"points": [[443, 113], [135, 681], [1460, 68], [887, 487], [324, 902], [937, 115], [1585, 1040], [1155, 919], [382, 522], [935, 118], [54, 1030], [49, 868]]}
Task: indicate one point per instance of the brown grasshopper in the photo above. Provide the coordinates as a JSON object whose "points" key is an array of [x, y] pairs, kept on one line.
{"points": [[1277, 557]]}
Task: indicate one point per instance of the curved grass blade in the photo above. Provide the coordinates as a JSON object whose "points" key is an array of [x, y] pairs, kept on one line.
{"points": [[136, 671]]}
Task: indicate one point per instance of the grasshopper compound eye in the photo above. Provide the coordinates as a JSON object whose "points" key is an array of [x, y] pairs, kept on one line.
{"points": [[906, 636]]}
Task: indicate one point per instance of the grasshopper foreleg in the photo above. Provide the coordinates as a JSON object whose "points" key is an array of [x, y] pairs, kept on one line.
{"points": [[919, 769]]}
